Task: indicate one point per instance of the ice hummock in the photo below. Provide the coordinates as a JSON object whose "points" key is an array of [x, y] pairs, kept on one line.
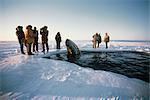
{"points": [[32, 77]]}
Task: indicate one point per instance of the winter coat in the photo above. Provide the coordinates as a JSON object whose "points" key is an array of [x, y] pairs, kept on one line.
{"points": [[94, 38], [29, 37], [106, 38], [20, 34], [35, 35], [99, 38], [58, 38], [44, 34]]}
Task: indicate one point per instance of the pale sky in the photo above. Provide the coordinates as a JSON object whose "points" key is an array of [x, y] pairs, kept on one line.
{"points": [[77, 19]]}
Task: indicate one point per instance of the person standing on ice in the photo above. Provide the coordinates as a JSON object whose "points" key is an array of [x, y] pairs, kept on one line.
{"points": [[29, 38], [98, 38], [58, 40], [94, 40], [106, 39], [21, 37], [35, 42], [44, 32]]}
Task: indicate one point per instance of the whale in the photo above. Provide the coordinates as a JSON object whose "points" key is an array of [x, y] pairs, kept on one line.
{"points": [[74, 48]]}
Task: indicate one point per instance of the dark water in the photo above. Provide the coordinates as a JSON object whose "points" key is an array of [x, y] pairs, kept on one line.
{"points": [[129, 63]]}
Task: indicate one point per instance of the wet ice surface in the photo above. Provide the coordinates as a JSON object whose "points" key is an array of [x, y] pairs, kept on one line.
{"points": [[132, 64], [24, 77]]}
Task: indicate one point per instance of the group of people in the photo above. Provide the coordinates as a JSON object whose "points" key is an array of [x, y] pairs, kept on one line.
{"points": [[29, 38], [97, 40]]}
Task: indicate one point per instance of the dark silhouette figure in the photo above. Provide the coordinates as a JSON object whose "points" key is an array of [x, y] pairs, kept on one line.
{"points": [[106, 39], [44, 33], [29, 39], [35, 40], [99, 40], [21, 37], [58, 40]]}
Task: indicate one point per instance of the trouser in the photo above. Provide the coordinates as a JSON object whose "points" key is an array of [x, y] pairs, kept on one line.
{"points": [[21, 45], [98, 44], [21, 48], [29, 48], [43, 45], [106, 45], [58, 45], [94, 44], [35, 45]]}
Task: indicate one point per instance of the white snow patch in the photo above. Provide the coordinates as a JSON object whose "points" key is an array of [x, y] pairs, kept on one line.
{"points": [[32, 77]]}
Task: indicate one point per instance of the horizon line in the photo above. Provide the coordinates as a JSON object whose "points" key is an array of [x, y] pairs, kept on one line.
{"points": [[126, 40]]}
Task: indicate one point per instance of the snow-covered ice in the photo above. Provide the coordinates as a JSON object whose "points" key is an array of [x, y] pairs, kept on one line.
{"points": [[24, 77]]}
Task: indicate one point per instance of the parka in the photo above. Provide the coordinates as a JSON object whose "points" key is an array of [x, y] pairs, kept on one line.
{"points": [[106, 38], [58, 37], [94, 38], [35, 35], [29, 37], [99, 38], [44, 32], [20, 33]]}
